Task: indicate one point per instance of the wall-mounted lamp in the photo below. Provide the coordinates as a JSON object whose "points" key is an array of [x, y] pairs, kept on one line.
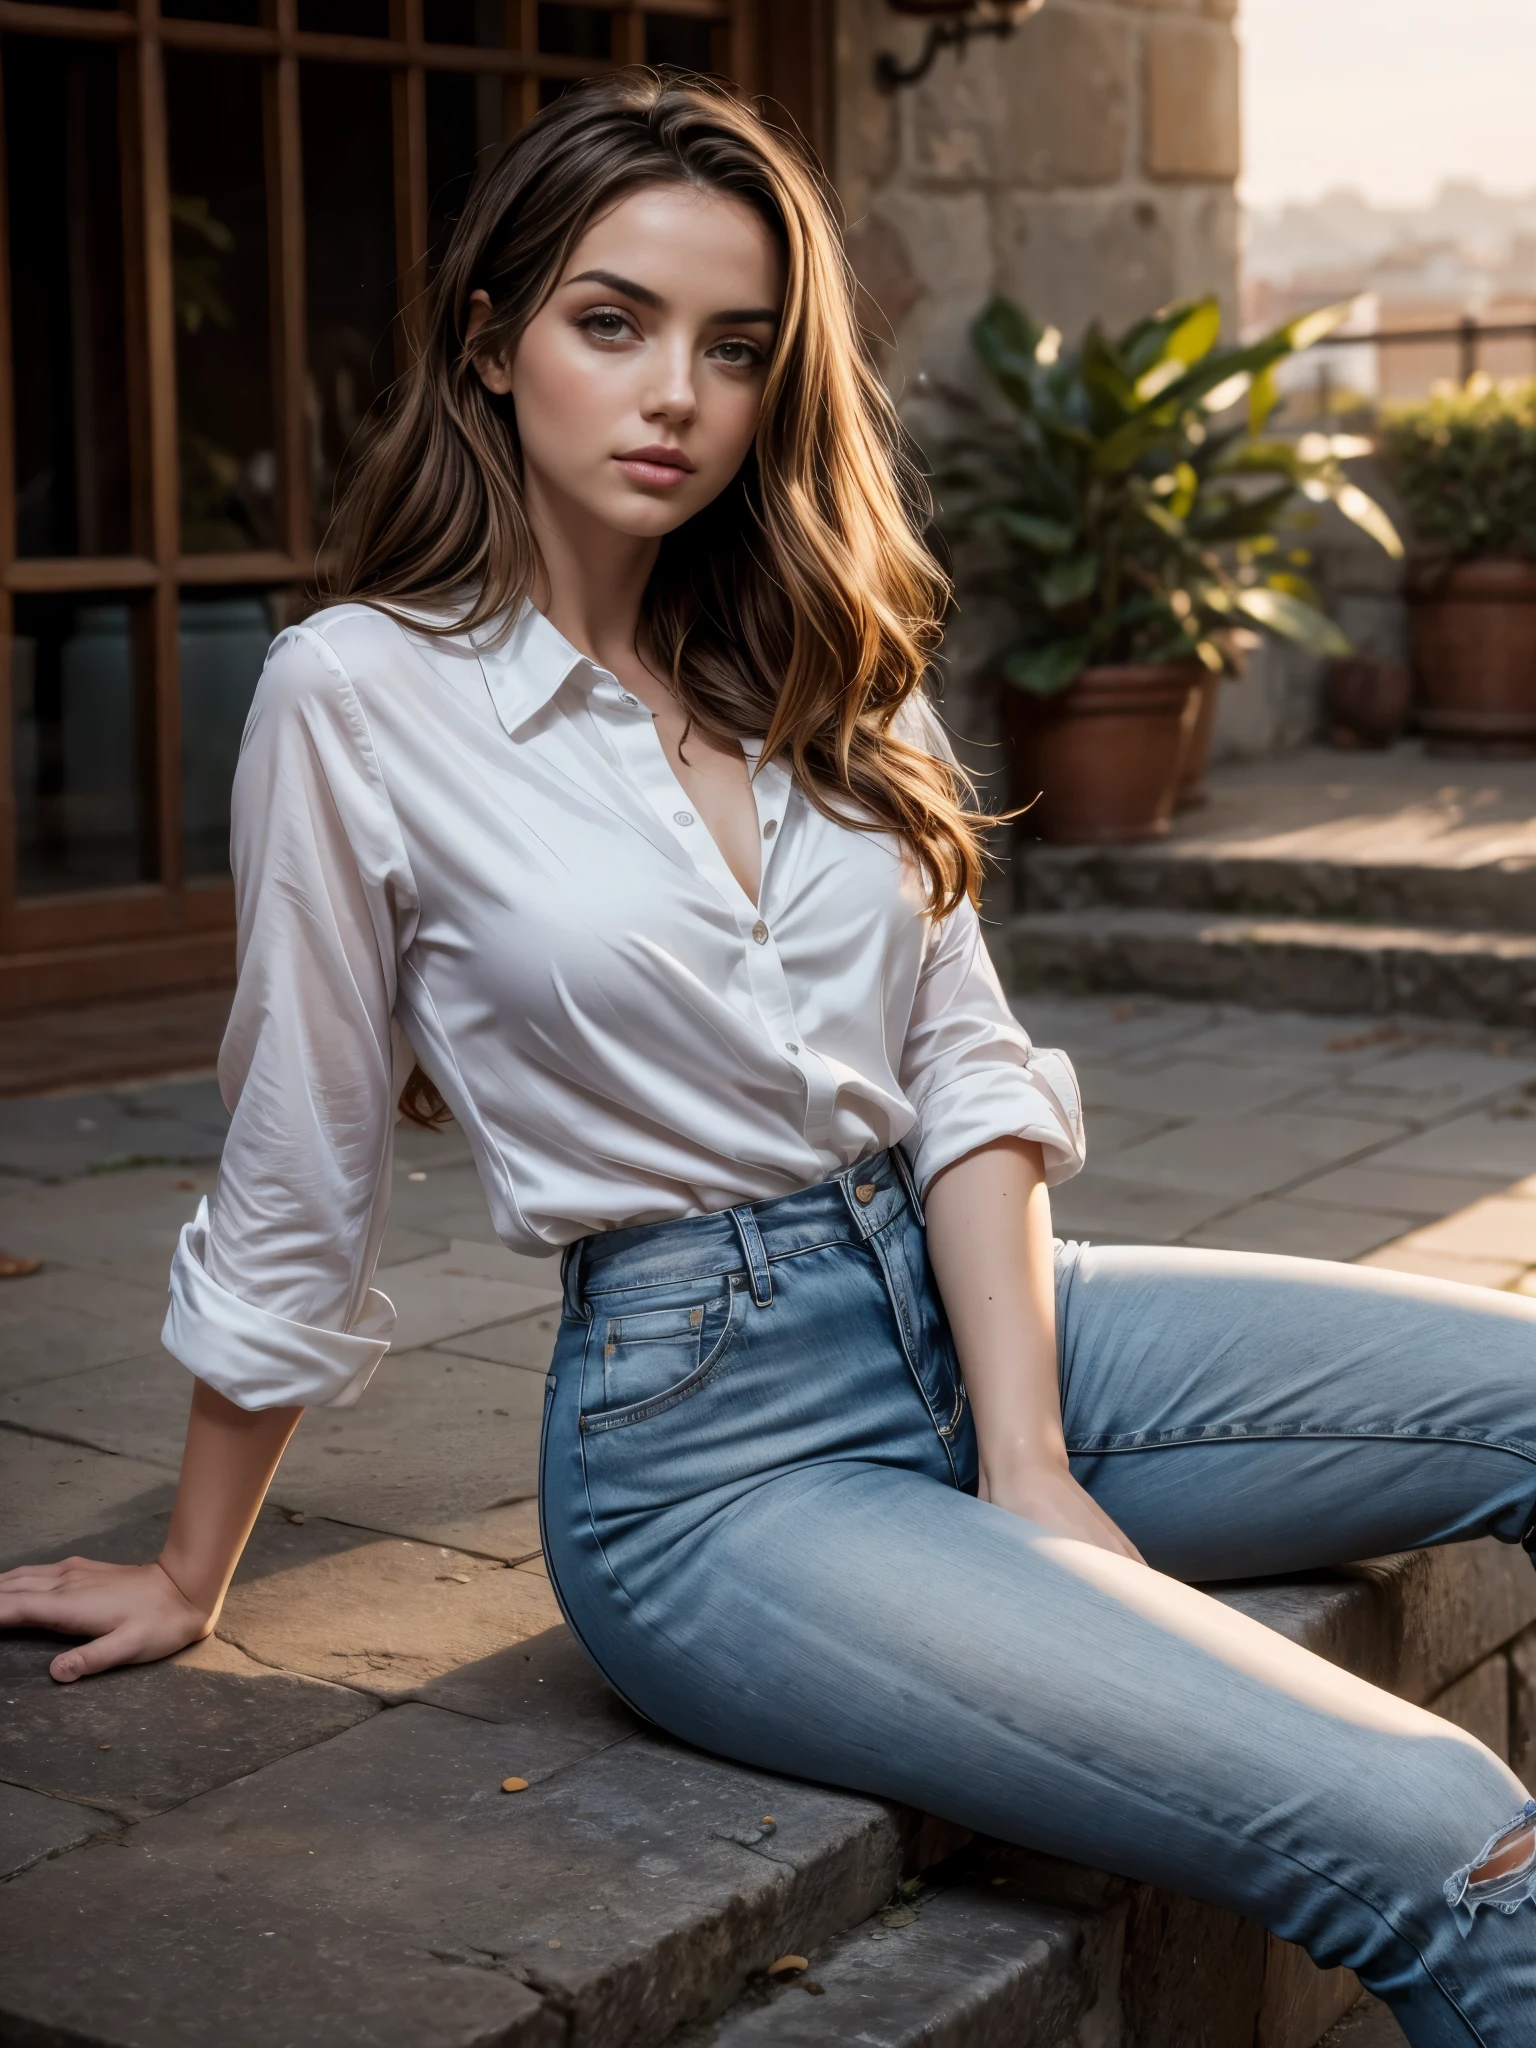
{"points": [[951, 25]]}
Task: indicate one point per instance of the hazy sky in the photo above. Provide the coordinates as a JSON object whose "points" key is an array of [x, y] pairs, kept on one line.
{"points": [[1389, 95]]}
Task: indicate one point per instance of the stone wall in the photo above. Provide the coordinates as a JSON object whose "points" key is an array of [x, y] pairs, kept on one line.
{"points": [[1084, 166]]}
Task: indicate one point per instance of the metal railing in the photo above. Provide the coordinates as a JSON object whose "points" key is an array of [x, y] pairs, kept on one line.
{"points": [[1468, 336]]}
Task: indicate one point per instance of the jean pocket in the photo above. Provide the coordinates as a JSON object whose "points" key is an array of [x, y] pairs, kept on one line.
{"points": [[657, 1357]]}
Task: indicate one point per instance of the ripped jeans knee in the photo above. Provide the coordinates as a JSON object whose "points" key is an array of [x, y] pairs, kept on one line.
{"points": [[1503, 1876]]}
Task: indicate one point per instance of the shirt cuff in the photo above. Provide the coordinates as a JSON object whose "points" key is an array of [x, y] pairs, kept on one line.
{"points": [[257, 1359], [1039, 1103]]}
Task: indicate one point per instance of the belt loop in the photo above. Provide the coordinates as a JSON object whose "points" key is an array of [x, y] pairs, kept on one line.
{"points": [[756, 1256], [904, 1169]]}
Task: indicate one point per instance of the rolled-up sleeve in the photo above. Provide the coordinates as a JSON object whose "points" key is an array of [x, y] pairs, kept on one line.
{"points": [[969, 1069], [271, 1295]]}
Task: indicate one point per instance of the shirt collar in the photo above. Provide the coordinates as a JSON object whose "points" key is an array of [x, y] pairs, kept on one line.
{"points": [[524, 668]]}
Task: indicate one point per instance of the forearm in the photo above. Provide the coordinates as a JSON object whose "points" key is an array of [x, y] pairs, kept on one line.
{"points": [[227, 1465], [989, 1238]]}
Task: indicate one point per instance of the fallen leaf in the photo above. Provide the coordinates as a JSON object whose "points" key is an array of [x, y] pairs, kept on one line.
{"points": [[452, 1579], [295, 1515], [184, 1186], [555, 1944], [1357, 1041], [787, 1963], [103, 1745], [899, 1916], [816, 1990], [514, 1784]]}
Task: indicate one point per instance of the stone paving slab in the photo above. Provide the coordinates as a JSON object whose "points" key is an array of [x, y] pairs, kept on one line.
{"points": [[529, 1342], [377, 1612], [33, 1825], [626, 1889], [60, 1137], [976, 1968], [457, 1290], [1398, 1190], [1297, 1229], [59, 1321], [1245, 1156], [57, 1498], [136, 1741]]}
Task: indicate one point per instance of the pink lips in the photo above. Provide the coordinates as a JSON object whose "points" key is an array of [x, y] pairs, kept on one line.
{"points": [[655, 465]]}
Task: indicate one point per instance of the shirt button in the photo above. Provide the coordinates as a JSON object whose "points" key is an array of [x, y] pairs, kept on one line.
{"points": [[626, 698], [770, 828], [760, 932], [682, 817], [790, 1045]]}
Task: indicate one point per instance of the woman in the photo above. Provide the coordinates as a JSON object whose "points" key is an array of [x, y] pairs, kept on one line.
{"points": [[613, 789]]}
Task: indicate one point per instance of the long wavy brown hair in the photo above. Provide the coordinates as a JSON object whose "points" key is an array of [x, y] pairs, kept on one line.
{"points": [[802, 608]]}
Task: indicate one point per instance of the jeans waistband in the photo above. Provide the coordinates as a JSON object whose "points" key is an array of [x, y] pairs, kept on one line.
{"points": [[847, 1209]]}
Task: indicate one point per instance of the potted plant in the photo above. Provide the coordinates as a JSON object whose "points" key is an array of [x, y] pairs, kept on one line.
{"points": [[1138, 526], [1465, 465]]}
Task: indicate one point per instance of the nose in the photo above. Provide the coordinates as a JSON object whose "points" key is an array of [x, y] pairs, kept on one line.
{"points": [[672, 394]]}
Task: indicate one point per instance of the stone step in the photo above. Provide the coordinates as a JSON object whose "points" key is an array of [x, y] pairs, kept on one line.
{"points": [[1491, 895], [1279, 963], [380, 1887]]}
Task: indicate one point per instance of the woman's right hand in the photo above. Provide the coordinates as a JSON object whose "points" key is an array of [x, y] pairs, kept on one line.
{"points": [[133, 1613]]}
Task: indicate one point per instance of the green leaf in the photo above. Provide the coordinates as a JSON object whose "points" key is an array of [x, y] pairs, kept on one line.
{"points": [[1005, 338], [1263, 397], [1280, 613], [1233, 518], [1312, 328], [1068, 583], [1192, 341], [1363, 509], [1043, 671], [1046, 536]]}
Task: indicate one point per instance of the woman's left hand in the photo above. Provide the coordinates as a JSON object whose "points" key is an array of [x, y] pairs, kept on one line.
{"points": [[1049, 1495]]}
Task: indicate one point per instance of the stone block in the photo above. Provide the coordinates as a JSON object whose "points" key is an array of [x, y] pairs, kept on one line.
{"points": [[1522, 1707], [32, 1826], [1444, 1077], [1081, 258], [1189, 1088], [949, 236], [1481, 1142], [126, 1223], [1298, 1230], [544, 1683], [1190, 1972], [62, 1321], [1479, 1703], [1115, 1211], [378, 1613], [1244, 1156], [1193, 107], [450, 1204], [618, 1886], [976, 1968], [1368, 2025], [62, 1136], [464, 1288], [436, 1448], [1048, 108], [1300, 2000], [135, 1741], [59, 1500], [1395, 1190], [1413, 1623], [528, 1342], [1494, 1228]]}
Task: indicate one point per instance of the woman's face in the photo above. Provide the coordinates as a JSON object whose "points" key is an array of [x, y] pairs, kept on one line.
{"points": [[639, 382]]}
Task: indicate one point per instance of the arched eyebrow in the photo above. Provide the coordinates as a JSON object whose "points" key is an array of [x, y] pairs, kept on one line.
{"points": [[732, 316]]}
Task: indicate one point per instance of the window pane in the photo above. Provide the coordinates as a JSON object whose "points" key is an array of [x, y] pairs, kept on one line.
{"points": [[349, 256], [66, 234], [680, 39], [575, 31], [79, 675], [223, 343], [344, 17], [245, 13], [480, 22], [224, 640], [463, 138]]}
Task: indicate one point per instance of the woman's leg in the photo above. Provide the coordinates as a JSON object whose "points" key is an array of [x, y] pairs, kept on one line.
{"points": [[1241, 1415], [782, 1570]]}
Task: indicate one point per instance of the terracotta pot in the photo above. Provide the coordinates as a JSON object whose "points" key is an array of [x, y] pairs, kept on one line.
{"points": [[1102, 756], [1474, 650], [1367, 702], [1199, 729]]}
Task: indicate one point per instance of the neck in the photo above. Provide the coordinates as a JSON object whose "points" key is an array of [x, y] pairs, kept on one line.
{"points": [[591, 579]]}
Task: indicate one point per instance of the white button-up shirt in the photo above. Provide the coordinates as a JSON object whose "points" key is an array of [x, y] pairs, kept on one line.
{"points": [[479, 854]]}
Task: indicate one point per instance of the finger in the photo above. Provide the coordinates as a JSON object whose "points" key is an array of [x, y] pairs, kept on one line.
{"points": [[117, 1647]]}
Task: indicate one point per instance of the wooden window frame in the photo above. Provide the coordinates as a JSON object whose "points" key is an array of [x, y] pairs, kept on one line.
{"points": [[171, 932]]}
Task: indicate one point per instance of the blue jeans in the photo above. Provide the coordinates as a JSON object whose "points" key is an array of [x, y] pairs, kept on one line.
{"points": [[758, 1492]]}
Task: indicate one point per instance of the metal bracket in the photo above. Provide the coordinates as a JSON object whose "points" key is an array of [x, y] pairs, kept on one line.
{"points": [[1000, 19]]}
